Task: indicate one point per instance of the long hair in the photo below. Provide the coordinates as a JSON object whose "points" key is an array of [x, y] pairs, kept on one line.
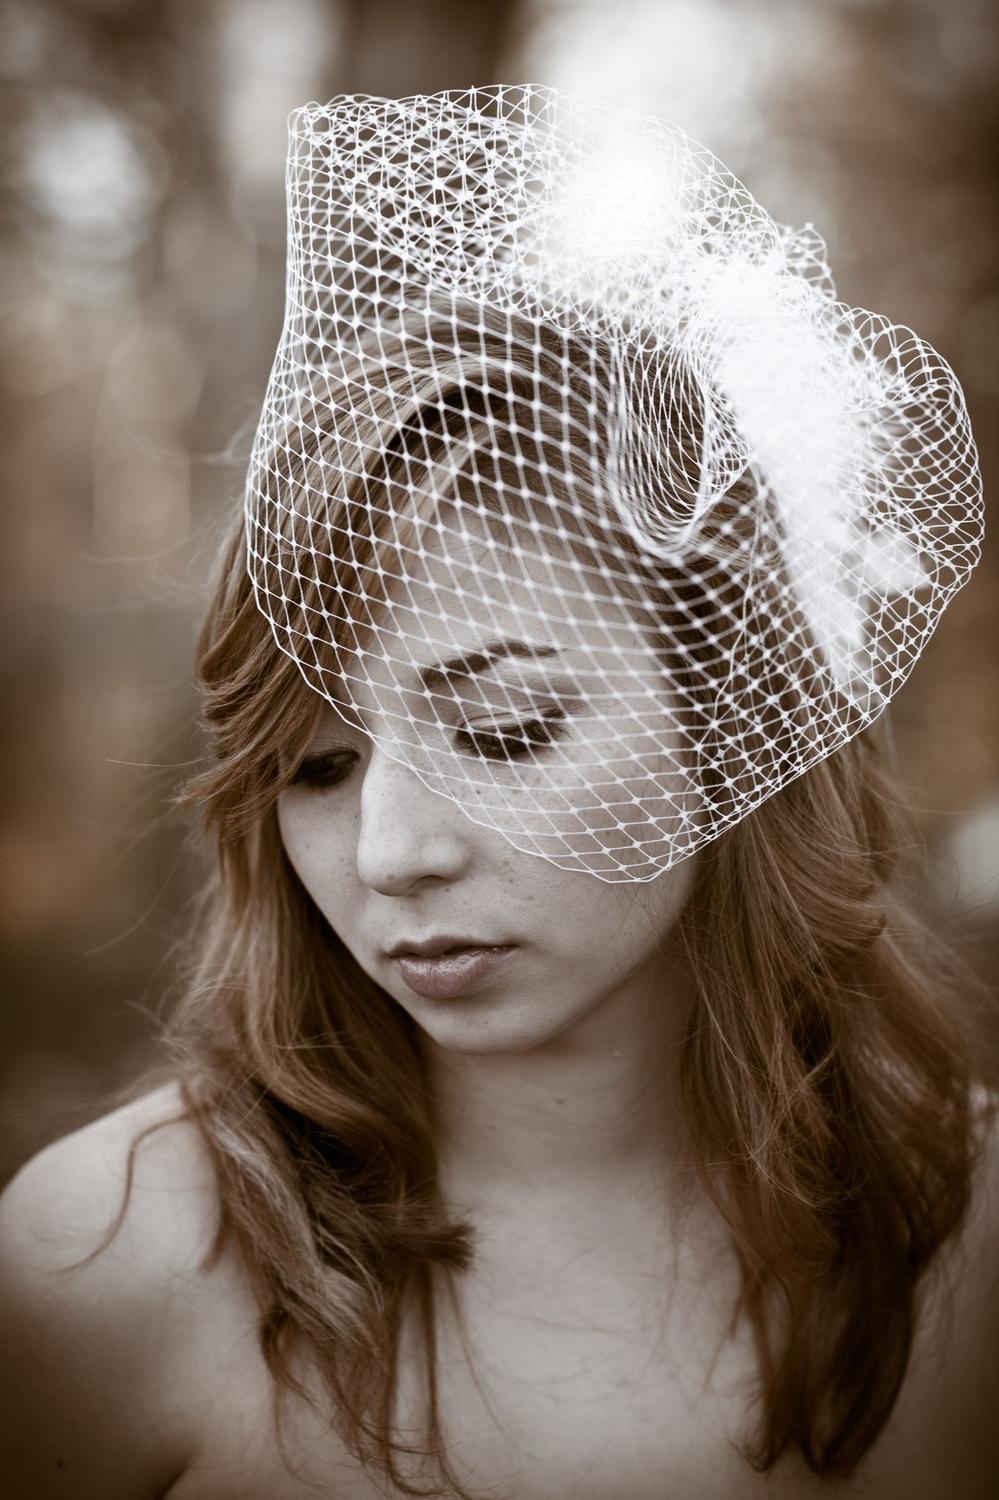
{"points": [[825, 1074]]}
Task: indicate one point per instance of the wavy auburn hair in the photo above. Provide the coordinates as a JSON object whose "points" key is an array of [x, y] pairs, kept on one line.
{"points": [[825, 1076]]}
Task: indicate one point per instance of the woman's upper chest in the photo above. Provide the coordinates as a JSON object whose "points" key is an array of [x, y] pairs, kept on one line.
{"points": [[592, 1389], [589, 1377], [560, 1431], [543, 1415]]}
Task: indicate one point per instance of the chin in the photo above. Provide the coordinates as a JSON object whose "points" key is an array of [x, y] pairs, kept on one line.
{"points": [[458, 1026]]}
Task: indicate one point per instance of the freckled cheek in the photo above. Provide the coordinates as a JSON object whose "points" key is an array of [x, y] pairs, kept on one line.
{"points": [[318, 848], [622, 924]]}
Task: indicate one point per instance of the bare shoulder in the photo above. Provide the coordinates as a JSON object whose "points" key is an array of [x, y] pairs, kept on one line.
{"points": [[143, 1163], [61, 1204], [97, 1286]]}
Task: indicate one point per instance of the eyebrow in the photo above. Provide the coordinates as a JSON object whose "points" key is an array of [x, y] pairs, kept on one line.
{"points": [[440, 676]]}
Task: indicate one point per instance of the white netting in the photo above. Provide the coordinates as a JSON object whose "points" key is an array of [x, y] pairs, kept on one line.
{"points": [[575, 487]]}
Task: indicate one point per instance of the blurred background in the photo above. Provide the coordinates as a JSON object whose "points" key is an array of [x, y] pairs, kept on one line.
{"points": [[142, 285]]}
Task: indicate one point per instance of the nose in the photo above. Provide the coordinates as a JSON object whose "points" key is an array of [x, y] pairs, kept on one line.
{"points": [[407, 834]]}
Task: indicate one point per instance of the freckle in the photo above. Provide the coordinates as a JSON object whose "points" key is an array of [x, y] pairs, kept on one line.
{"points": [[60, 1464], [559, 1101]]}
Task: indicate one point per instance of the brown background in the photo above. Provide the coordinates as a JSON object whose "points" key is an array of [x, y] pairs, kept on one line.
{"points": [[142, 281]]}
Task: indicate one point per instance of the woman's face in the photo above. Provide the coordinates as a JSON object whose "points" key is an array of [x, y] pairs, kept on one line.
{"points": [[393, 864]]}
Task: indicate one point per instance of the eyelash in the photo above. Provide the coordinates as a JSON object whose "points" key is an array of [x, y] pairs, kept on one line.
{"points": [[507, 742], [538, 733]]}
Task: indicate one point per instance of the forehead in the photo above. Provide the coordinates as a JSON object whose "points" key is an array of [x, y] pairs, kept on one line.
{"points": [[466, 582]]}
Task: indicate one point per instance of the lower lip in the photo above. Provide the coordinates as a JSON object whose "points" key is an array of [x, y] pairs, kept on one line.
{"points": [[453, 973]]}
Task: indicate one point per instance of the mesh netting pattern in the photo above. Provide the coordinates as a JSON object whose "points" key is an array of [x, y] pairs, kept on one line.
{"points": [[575, 487]]}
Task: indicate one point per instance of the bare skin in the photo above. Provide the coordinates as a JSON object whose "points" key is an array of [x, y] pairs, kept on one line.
{"points": [[138, 1374]]}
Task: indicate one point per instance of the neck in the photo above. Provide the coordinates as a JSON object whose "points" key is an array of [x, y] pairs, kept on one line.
{"points": [[592, 1109]]}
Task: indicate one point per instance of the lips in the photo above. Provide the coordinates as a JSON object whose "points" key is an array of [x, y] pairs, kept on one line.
{"points": [[457, 971], [436, 947]]}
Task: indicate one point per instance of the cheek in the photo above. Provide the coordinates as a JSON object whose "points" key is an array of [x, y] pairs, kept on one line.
{"points": [[612, 924], [316, 844]]}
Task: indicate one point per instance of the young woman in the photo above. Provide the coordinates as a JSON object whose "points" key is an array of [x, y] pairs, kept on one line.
{"points": [[563, 1102]]}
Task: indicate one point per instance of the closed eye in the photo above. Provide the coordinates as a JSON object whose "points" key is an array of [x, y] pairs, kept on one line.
{"points": [[514, 741], [502, 742], [323, 768]]}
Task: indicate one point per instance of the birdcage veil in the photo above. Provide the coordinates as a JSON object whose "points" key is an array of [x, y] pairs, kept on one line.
{"points": [[575, 487]]}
